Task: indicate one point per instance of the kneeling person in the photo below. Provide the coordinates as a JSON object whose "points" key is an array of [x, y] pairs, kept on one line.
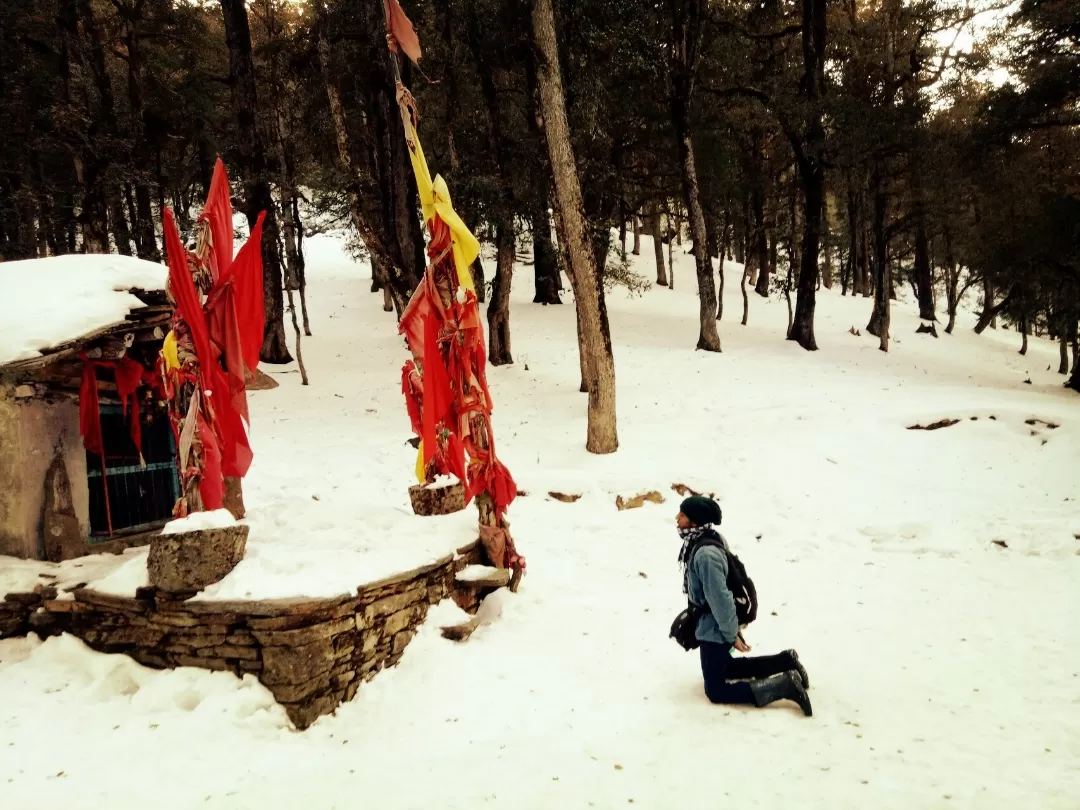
{"points": [[705, 574]]}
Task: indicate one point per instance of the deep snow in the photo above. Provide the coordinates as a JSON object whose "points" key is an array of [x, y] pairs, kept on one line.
{"points": [[945, 667]]}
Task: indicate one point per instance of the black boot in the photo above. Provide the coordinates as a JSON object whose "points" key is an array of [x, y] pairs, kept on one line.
{"points": [[795, 665], [788, 686]]}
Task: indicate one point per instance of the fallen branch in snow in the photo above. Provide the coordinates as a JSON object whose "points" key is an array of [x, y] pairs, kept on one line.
{"points": [[460, 632], [563, 497], [638, 501], [686, 491], [944, 423], [1051, 425], [490, 609]]}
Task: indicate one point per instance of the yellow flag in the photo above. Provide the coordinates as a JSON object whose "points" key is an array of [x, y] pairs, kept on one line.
{"points": [[435, 199], [170, 352]]}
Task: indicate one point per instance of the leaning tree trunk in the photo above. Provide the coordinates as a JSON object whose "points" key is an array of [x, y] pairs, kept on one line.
{"points": [[574, 233], [992, 310], [708, 336], [380, 186], [251, 156], [287, 186]]}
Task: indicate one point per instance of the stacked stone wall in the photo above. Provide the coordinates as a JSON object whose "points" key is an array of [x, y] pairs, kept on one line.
{"points": [[312, 654]]}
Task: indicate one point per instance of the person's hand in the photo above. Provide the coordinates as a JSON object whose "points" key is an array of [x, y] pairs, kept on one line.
{"points": [[741, 645]]}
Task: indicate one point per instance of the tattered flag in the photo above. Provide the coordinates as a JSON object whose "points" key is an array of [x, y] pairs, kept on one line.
{"points": [[401, 32]]}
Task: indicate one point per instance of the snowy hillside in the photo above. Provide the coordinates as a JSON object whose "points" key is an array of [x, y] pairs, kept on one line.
{"points": [[945, 665]]}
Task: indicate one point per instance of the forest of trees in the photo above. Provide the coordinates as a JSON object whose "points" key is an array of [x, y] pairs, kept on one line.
{"points": [[846, 144]]}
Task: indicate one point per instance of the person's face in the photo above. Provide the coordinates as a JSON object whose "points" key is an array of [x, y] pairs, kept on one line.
{"points": [[683, 522]]}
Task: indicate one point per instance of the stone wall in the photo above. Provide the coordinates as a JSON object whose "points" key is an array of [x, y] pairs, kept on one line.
{"points": [[311, 654], [36, 435]]}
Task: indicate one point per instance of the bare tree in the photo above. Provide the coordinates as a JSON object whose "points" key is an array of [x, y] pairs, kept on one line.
{"points": [[687, 33], [594, 338]]}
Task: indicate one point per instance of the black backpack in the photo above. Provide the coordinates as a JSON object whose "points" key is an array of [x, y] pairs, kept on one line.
{"points": [[684, 628]]}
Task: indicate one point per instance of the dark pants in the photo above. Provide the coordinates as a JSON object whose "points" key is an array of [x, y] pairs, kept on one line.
{"points": [[723, 673]]}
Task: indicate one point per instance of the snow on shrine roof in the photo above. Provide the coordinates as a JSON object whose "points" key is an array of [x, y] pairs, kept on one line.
{"points": [[46, 302]]}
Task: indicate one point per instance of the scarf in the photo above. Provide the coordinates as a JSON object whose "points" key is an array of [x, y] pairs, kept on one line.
{"points": [[690, 538]]}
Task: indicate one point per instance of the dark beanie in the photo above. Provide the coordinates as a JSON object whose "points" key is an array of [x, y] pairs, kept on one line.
{"points": [[702, 511]]}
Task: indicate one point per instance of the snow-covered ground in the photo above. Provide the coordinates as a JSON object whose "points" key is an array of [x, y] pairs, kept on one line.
{"points": [[945, 667]]}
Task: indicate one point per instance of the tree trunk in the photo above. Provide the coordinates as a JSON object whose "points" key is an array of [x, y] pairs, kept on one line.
{"points": [[118, 221], [1074, 338], [708, 336], [952, 296], [671, 262], [827, 279], [924, 277], [989, 294], [1024, 335], [254, 170], [499, 309], [760, 245], [378, 282], [739, 236], [724, 231], [574, 233], [545, 259], [636, 222], [380, 187], [882, 316], [142, 219], [546, 267], [990, 309], [287, 184], [745, 296], [811, 171], [498, 313], [479, 277], [299, 225], [812, 174], [654, 224]]}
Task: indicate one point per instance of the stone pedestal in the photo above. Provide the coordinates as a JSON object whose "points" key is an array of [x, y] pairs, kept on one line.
{"points": [[190, 561]]}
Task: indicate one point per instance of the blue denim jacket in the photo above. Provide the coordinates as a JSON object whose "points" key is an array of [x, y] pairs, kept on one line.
{"points": [[707, 584]]}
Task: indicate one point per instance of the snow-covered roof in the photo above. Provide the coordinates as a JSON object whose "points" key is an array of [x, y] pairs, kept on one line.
{"points": [[46, 302]]}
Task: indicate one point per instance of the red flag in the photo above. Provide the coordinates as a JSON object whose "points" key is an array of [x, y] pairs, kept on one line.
{"points": [[183, 291], [401, 29], [247, 279], [218, 212]]}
